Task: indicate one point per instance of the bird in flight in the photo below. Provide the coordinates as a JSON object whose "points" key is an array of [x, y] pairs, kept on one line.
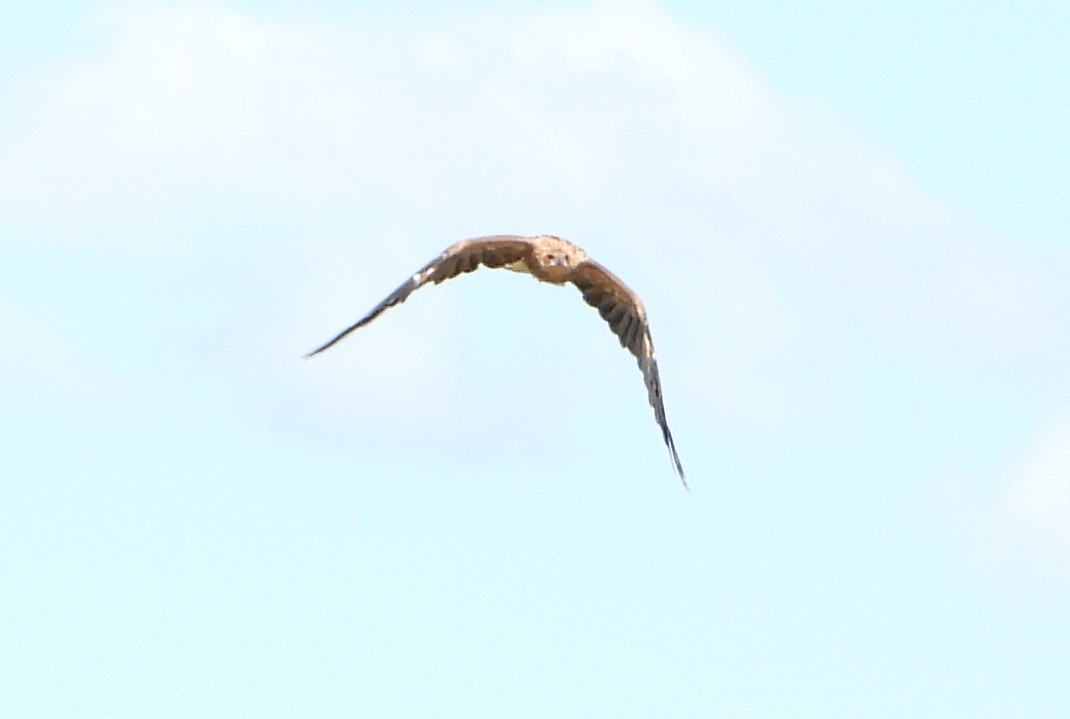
{"points": [[557, 261]]}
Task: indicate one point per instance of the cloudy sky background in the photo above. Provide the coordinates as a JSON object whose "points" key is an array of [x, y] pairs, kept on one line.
{"points": [[849, 228]]}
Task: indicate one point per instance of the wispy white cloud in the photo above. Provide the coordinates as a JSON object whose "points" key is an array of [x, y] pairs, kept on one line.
{"points": [[1020, 537], [772, 244]]}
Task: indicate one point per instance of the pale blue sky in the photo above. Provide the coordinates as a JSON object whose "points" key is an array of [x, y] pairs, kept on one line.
{"points": [[848, 227]]}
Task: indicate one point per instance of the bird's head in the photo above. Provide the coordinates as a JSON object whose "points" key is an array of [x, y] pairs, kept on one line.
{"points": [[557, 258]]}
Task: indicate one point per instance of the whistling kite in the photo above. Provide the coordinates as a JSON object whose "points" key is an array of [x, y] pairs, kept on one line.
{"points": [[557, 261]]}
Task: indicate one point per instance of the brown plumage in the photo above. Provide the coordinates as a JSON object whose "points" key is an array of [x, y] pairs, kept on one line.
{"points": [[557, 261]]}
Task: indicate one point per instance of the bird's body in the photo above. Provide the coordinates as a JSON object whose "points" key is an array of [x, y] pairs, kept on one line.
{"points": [[556, 261]]}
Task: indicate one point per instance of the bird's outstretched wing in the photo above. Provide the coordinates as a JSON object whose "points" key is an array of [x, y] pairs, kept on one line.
{"points": [[624, 312], [464, 256]]}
